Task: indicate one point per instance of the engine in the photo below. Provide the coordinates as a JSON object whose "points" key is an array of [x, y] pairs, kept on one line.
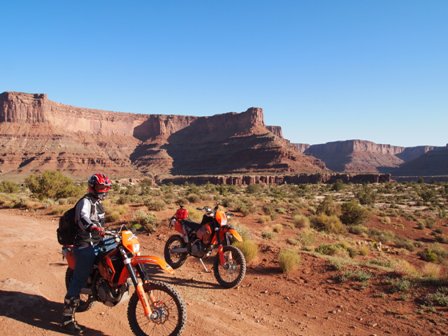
{"points": [[198, 249], [108, 295]]}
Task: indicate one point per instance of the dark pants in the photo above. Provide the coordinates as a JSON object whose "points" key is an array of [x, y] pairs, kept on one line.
{"points": [[85, 258]]}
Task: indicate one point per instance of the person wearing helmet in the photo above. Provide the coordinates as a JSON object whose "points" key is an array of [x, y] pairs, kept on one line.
{"points": [[89, 220]]}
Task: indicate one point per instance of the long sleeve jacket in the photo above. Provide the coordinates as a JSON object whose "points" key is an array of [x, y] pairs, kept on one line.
{"points": [[89, 213]]}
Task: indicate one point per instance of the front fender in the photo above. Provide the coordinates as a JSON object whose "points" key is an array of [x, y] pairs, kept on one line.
{"points": [[236, 235], [153, 260]]}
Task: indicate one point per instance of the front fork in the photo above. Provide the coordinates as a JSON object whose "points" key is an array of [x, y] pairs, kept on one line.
{"points": [[138, 284]]}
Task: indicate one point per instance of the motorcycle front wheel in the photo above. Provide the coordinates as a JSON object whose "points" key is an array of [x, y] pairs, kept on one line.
{"points": [[85, 300], [175, 260], [232, 272], [168, 311]]}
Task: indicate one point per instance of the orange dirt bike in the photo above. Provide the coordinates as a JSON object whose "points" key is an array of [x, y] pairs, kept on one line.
{"points": [[155, 308], [200, 239]]}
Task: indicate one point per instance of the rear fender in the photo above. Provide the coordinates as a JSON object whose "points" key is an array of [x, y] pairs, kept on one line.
{"points": [[152, 260]]}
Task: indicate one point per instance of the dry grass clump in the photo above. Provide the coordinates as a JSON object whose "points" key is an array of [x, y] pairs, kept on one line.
{"points": [[301, 221], [330, 224], [289, 260], [249, 249]]}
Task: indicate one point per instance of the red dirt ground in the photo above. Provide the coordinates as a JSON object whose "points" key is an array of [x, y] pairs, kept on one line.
{"points": [[306, 302]]}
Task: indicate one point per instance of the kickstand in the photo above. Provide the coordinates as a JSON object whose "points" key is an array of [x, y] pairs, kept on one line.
{"points": [[203, 265]]}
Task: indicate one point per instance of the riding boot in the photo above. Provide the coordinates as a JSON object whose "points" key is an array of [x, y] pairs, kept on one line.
{"points": [[68, 317]]}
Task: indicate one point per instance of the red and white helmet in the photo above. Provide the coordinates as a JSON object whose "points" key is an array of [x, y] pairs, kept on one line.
{"points": [[99, 184]]}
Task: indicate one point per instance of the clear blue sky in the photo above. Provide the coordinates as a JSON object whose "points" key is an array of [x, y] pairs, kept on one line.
{"points": [[323, 70]]}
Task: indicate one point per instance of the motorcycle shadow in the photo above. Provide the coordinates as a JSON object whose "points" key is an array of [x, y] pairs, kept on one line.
{"points": [[158, 275], [35, 310]]}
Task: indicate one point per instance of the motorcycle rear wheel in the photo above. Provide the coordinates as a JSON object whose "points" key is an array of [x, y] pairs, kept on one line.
{"points": [[85, 300], [234, 269], [168, 316], [175, 260]]}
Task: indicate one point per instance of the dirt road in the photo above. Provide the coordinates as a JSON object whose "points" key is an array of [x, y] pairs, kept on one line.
{"points": [[266, 303]]}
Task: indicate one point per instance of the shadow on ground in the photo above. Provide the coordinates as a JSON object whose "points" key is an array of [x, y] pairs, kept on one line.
{"points": [[35, 310]]}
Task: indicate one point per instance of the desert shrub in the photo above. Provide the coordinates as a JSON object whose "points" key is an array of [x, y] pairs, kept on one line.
{"points": [[328, 207], [264, 219], [144, 220], [267, 235], [269, 209], [52, 184], [431, 271], [353, 275], [249, 249], [155, 204], [357, 229], [352, 213], [289, 260], [292, 241], [112, 216], [405, 243], [307, 237], [195, 215], [433, 253], [404, 268], [427, 194], [254, 188], [366, 195], [244, 207], [381, 236], [301, 221], [328, 249], [398, 285], [330, 224], [277, 228], [338, 185], [193, 198], [439, 298], [9, 187]]}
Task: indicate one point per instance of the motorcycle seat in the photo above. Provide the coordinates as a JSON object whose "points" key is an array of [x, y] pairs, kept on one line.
{"points": [[191, 225]]}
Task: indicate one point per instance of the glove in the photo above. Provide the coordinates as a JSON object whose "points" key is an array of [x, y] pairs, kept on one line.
{"points": [[100, 230]]}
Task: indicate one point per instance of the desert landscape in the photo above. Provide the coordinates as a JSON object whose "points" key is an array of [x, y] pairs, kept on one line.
{"points": [[323, 259]]}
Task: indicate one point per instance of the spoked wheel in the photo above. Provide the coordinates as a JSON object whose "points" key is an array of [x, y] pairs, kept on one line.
{"points": [[175, 259], [86, 301], [234, 269], [168, 311]]}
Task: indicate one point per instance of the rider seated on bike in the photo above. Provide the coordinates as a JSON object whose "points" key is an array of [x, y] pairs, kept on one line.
{"points": [[89, 219]]}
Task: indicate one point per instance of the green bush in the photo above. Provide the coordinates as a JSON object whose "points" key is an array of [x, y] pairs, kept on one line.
{"points": [[155, 205], [330, 224], [352, 213], [52, 184], [439, 298], [328, 249], [254, 188], [328, 207], [433, 253], [289, 260], [9, 187], [366, 196], [145, 221]]}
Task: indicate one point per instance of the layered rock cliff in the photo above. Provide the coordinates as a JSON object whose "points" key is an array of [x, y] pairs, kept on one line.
{"points": [[431, 163], [355, 156], [38, 134]]}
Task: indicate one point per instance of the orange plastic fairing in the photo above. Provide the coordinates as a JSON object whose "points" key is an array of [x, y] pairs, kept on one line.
{"points": [[153, 260], [221, 217]]}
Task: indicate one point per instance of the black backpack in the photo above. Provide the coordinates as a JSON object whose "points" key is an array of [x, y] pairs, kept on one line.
{"points": [[67, 230]]}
